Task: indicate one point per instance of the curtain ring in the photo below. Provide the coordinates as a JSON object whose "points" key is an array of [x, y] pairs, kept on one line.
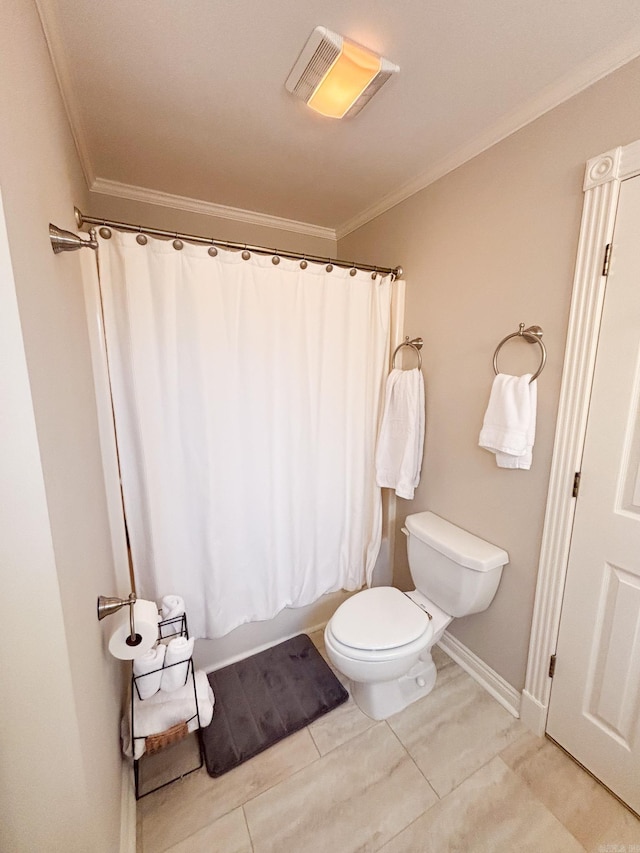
{"points": [[105, 233], [141, 240], [246, 254], [177, 243], [212, 250], [329, 267], [275, 259], [303, 264]]}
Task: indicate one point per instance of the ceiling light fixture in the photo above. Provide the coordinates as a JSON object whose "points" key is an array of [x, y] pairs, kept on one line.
{"points": [[335, 76]]}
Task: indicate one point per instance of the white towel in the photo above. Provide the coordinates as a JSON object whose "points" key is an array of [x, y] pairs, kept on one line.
{"points": [[401, 438], [148, 670], [509, 426], [162, 711], [179, 650], [172, 608]]}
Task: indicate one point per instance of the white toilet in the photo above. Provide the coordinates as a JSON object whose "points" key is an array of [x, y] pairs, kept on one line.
{"points": [[381, 638]]}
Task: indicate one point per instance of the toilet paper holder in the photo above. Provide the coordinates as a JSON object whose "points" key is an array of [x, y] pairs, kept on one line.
{"points": [[111, 604]]}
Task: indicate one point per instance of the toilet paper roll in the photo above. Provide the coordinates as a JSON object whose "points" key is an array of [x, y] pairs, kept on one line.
{"points": [[145, 617]]}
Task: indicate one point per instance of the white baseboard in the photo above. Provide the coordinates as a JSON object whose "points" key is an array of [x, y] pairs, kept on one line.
{"points": [[488, 678], [533, 714], [128, 823]]}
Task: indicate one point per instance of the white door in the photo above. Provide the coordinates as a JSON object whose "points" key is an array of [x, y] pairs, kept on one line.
{"points": [[594, 711]]}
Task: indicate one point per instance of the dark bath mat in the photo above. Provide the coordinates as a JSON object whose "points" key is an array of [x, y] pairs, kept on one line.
{"points": [[264, 698]]}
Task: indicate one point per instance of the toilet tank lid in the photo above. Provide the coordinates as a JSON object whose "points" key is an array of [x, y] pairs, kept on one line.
{"points": [[455, 543]]}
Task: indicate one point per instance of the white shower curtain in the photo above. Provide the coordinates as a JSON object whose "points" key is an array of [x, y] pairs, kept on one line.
{"points": [[247, 398]]}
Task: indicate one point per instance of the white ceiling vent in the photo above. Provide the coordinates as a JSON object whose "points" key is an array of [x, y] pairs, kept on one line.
{"points": [[336, 76]]}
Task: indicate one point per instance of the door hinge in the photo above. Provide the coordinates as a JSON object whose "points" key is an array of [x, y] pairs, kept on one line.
{"points": [[607, 259], [576, 484], [552, 666]]}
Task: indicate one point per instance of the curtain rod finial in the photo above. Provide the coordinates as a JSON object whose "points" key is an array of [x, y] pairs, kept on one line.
{"points": [[67, 241]]}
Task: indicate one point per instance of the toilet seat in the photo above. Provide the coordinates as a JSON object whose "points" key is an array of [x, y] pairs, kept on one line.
{"points": [[380, 623], [378, 655]]}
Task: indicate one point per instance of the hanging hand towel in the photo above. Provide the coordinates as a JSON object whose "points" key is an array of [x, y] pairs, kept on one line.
{"points": [[509, 425], [401, 438]]}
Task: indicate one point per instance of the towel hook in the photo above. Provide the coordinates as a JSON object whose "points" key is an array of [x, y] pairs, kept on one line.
{"points": [[415, 344], [532, 335]]}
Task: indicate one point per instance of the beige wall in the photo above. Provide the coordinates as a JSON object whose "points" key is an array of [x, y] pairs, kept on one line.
{"points": [[488, 246], [485, 247], [172, 219], [38, 721], [61, 783]]}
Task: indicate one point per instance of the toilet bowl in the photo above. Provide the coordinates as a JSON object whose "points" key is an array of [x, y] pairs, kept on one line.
{"points": [[381, 638]]}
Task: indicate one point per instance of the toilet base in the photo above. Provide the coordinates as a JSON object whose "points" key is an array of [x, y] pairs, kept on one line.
{"points": [[381, 699]]}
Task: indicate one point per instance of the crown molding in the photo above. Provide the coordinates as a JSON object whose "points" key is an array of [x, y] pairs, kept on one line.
{"points": [[552, 96], [193, 205], [549, 98], [53, 38]]}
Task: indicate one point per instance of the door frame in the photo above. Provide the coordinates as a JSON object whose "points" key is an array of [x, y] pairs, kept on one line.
{"points": [[601, 187]]}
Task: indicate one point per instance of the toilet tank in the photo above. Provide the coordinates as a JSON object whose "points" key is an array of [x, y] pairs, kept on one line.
{"points": [[450, 566]]}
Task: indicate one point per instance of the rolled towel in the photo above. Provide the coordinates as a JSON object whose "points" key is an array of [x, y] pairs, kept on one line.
{"points": [[148, 671], [172, 608], [176, 663], [162, 711], [183, 693]]}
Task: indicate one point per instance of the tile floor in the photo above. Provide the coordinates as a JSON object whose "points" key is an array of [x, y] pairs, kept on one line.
{"points": [[453, 772]]}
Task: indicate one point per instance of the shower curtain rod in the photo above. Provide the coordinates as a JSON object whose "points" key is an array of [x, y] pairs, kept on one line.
{"points": [[81, 219]]}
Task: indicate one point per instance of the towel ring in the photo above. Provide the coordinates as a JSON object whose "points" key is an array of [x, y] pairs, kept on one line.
{"points": [[532, 335], [415, 344]]}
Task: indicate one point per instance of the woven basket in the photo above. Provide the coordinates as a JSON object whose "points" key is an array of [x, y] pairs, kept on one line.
{"points": [[154, 743]]}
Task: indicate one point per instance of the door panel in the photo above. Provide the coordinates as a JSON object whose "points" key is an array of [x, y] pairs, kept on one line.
{"points": [[594, 710], [614, 680]]}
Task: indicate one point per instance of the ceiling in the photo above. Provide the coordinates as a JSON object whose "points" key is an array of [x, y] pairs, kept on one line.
{"points": [[187, 100]]}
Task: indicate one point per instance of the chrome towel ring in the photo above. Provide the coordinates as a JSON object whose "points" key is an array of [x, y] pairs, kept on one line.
{"points": [[415, 344], [533, 335]]}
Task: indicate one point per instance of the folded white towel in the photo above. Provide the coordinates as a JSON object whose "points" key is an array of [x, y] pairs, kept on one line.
{"points": [[172, 608], [509, 425], [506, 460], [179, 650], [401, 439], [163, 710], [148, 671]]}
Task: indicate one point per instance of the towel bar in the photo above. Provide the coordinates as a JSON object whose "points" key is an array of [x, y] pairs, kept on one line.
{"points": [[533, 335], [415, 344]]}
